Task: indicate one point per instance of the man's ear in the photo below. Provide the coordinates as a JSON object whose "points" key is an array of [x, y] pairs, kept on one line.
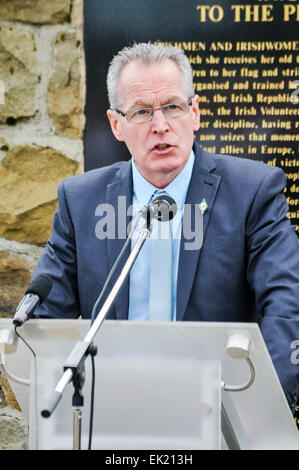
{"points": [[196, 113], [115, 124]]}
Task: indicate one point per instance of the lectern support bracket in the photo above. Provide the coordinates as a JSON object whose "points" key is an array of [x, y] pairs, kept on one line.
{"points": [[76, 363]]}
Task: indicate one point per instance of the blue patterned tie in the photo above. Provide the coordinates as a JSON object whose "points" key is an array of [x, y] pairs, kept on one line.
{"points": [[160, 291]]}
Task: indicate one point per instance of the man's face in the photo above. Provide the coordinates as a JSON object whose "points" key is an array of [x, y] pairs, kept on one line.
{"points": [[160, 147]]}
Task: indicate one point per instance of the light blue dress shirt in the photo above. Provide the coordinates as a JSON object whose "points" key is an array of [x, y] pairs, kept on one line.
{"points": [[140, 273]]}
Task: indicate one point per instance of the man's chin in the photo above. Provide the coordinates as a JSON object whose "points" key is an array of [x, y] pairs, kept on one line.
{"points": [[167, 165]]}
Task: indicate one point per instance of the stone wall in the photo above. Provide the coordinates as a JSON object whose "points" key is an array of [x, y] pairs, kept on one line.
{"points": [[42, 97]]}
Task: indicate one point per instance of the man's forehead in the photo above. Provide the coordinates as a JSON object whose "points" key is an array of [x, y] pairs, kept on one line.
{"points": [[139, 83]]}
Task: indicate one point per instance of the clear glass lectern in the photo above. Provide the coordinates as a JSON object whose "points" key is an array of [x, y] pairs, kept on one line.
{"points": [[158, 386]]}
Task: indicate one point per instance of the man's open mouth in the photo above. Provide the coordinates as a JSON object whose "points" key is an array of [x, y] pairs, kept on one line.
{"points": [[162, 146]]}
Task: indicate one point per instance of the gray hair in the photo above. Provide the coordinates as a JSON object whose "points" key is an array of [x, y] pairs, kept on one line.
{"points": [[146, 53]]}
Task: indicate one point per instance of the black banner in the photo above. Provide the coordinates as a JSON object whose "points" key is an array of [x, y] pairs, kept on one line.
{"points": [[245, 59]]}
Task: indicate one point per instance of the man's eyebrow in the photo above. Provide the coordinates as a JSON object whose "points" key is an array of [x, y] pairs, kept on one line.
{"points": [[174, 99], [143, 104]]}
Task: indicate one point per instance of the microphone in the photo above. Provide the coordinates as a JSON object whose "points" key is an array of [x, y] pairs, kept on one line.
{"points": [[163, 208], [36, 293]]}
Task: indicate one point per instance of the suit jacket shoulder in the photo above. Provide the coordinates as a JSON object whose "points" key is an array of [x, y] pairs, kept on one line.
{"points": [[94, 178], [244, 169]]}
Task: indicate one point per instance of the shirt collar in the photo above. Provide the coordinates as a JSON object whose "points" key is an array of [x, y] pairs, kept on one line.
{"points": [[177, 189]]}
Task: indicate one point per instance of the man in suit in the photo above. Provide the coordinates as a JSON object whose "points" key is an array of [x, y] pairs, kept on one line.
{"points": [[247, 268]]}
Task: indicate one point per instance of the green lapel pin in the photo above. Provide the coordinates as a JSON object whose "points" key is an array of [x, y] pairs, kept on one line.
{"points": [[203, 206]]}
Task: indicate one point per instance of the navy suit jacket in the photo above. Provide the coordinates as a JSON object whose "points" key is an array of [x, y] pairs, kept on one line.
{"points": [[246, 270]]}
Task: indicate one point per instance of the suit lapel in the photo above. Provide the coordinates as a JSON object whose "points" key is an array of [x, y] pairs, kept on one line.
{"points": [[119, 196], [203, 185]]}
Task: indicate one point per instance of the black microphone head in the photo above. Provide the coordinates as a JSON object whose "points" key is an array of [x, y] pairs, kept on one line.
{"points": [[167, 207], [40, 286]]}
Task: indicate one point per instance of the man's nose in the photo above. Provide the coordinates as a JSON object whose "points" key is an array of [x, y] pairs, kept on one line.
{"points": [[159, 122]]}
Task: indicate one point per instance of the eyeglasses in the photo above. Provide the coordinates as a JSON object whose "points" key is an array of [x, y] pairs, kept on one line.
{"points": [[170, 110]]}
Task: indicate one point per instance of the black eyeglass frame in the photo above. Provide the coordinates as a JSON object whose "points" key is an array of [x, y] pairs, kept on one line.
{"points": [[189, 102]]}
